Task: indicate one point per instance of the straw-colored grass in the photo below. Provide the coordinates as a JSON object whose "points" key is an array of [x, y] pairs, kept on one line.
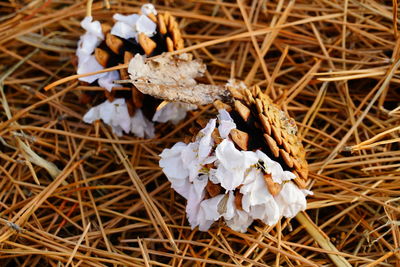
{"points": [[74, 194]]}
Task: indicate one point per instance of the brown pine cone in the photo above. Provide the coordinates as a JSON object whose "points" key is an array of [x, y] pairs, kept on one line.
{"points": [[262, 125]]}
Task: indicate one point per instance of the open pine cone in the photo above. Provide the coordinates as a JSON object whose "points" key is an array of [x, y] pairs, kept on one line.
{"points": [[246, 164], [262, 125], [102, 46]]}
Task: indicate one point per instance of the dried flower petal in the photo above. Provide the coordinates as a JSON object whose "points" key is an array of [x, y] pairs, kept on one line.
{"points": [[141, 126], [239, 172], [232, 164], [146, 26], [131, 25], [148, 9], [291, 200], [86, 46], [240, 221], [89, 64], [208, 212], [116, 115], [173, 112], [107, 81], [226, 123], [113, 113]]}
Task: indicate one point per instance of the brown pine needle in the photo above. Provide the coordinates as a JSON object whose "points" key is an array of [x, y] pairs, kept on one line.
{"points": [[74, 195]]}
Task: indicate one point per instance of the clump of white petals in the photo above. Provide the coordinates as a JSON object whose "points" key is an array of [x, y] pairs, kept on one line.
{"points": [[187, 167], [86, 60], [130, 26], [173, 112], [115, 113], [86, 46], [148, 9]]}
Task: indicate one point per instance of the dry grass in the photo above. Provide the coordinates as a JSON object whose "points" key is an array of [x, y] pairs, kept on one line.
{"points": [[74, 194]]}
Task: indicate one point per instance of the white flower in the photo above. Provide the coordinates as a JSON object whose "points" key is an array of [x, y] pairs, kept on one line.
{"points": [[257, 200], [226, 123], [113, 113], [232, 164], [173, 167], [127, 19], [89, 64], [141, 126], [205, 140], [197, 153], [129, 26], [227, 206], [173, 112], [92, 27], [208, 212], [146, 26], [125, 26], [148, 9], [195, 195], [92, 37], [240, 221], [86, 46], [291, 200], [117, 116], [233, 169], [107, 80]]}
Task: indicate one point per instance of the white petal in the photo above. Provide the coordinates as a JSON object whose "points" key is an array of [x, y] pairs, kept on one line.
{"points": [[291, 200], [232, 164], [228, 178], [226, 123], [113, 113], [117, 130], [171, 162], [211, 207], [228, 155], [227, 206], [307, 192], [106, 112], [268, 212], [240, 221], [107, 80], [123, 30], [212, 176], [141, 126], [254, 190], [92, 115], [182, 186], [148, 9], [146, 26], [121, 115], [92, 27], [191, 161], [196, 195], [208, 212], [89, 64], [86, 45], [205, 140], [173, 111], [129, 19]]}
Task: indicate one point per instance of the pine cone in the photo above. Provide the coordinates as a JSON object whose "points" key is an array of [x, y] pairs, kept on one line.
{"points": [[262, 125], [126, 109], [115, 50], [240, 166]]}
